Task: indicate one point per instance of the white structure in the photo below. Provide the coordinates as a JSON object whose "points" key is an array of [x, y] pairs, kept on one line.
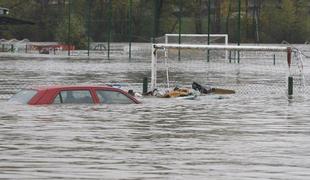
{"points": [[165, 47]]}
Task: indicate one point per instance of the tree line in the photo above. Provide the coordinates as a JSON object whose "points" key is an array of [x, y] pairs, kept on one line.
{"points": [[261, 21]]}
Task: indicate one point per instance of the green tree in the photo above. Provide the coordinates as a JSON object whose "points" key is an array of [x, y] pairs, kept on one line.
{"points": [[279, 23], [302, 24], [77, 32], [275, 20]]}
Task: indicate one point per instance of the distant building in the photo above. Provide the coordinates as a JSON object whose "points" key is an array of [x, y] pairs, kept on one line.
{"points": [[7, 20], [4, 11]]}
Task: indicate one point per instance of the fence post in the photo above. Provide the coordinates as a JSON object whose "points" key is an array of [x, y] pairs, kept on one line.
{"points": [[129, 27], [109, 26], [88, 26], [239, 27], [290, 85], [69, 28], [145, 85], [209, 28], [180, 26], [290, 78], [154, 69], [156, 22]]}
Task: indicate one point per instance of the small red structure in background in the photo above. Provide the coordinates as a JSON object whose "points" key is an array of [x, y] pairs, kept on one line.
{"points": [[46, 49]]}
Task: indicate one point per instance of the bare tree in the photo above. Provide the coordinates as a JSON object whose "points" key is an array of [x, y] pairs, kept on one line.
{"points": [[197, 16], [217, 16]]}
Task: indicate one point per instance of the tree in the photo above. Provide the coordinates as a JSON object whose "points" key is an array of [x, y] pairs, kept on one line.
{"points": [[77, 32], [217, 16], [278, 23], [275, 20]]}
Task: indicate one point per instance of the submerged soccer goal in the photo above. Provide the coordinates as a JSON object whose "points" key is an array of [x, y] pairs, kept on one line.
{"points": [[265, 70]]}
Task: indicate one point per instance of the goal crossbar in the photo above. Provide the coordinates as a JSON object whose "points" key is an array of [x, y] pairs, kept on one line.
{"points": [[197, 35], [221, 47], [156, 47]]}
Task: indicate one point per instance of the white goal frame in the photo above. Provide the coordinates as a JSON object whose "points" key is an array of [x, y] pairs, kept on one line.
{"points": [[225, 36], [157, 47]]}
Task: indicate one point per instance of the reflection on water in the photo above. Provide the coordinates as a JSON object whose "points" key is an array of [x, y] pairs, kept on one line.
{"points": [[214, 137]]}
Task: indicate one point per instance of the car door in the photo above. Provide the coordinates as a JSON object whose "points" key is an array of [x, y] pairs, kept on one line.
{"points": [[110, 96], [74, 96]]}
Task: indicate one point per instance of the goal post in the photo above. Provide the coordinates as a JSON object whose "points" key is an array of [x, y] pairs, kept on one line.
{"points": [[289, 52]]}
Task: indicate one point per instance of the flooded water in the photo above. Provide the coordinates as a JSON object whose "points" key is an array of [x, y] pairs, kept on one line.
{"points": [[213, 137]]}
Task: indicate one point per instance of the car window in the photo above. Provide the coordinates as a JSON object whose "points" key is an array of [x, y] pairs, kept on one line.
{"points": [[57, 99], [113, 97], [23, 96], [74, 97]]}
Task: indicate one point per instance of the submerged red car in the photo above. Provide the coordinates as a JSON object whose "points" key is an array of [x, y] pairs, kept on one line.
{"points": [[73, 95]]}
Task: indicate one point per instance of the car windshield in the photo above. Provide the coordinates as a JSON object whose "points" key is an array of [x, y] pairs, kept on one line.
{"points": [[113, 97], [23, 96]]}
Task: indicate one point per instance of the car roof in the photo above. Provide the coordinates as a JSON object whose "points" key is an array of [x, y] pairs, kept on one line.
{"points": [[72, 87], [41, 90]]}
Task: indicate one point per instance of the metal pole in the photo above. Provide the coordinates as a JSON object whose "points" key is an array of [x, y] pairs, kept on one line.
{"points": [[167, 68], [155, 25], [129, 27], [154, 69], [227, 18], [239, 29], [145, 85], [257, 6], [69, 28], [289, 57], [226, 43], [109, 26], [253, 19], [290, 78], [180, 24], [88, 26], [209, 28], [290, 85]]}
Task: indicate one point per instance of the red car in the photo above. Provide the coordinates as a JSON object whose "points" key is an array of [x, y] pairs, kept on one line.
{"points": [[73, 95]]}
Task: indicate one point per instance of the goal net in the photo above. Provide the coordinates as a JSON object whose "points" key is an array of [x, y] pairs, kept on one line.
{"points": [[249, 70], [195, 39]]}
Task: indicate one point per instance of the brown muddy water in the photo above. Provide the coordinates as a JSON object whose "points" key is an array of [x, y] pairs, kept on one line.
{"points": [[213, 137]]}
